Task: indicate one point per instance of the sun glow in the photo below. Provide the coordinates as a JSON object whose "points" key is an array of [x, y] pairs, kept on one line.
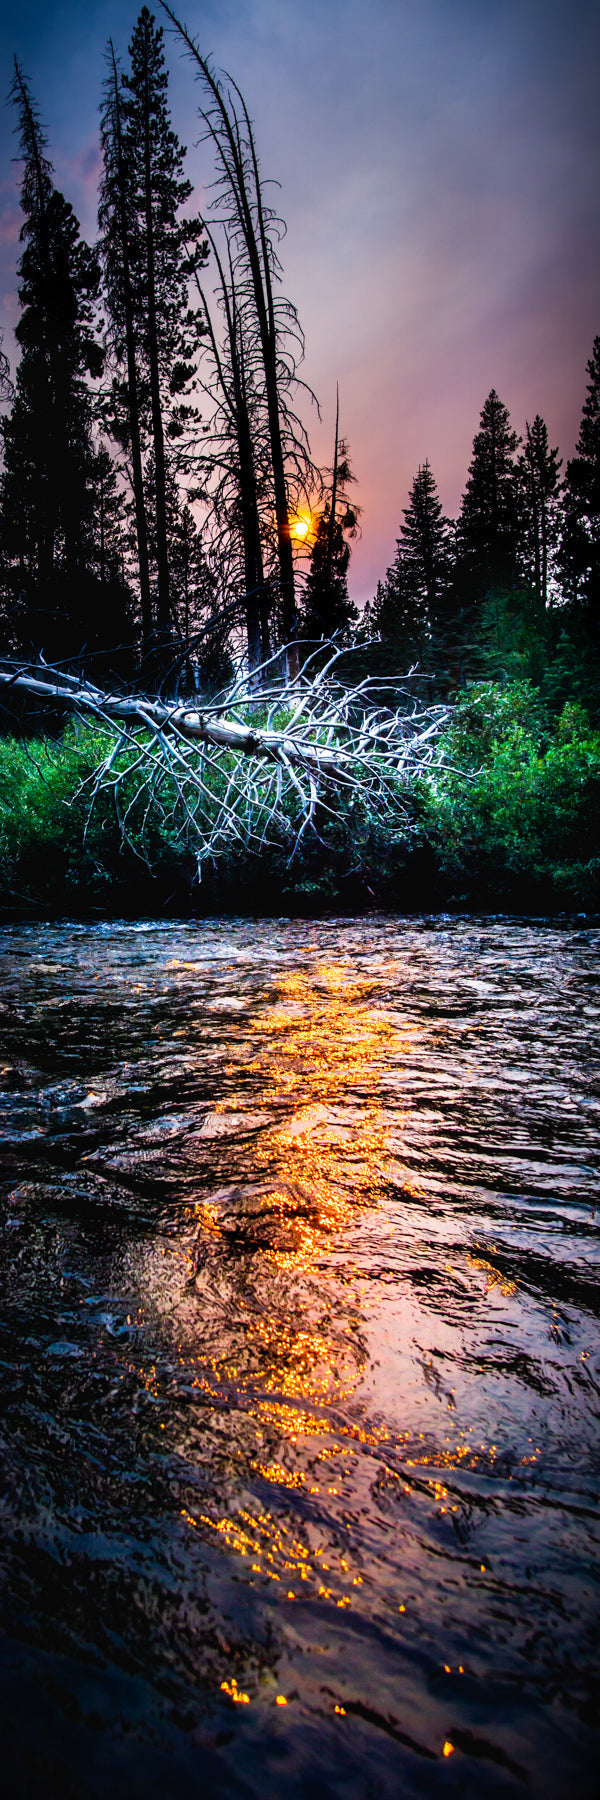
{"points": [[301, 528]]}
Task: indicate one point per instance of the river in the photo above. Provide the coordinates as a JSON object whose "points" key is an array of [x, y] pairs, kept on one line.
{"points": [[299, 1359]]}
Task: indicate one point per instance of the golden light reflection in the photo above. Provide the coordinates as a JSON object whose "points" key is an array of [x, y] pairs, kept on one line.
{"points": [[326, 1044], [231, 1688], [314, 1173], [269, 1546], [294, 1346], [495, 1277]]}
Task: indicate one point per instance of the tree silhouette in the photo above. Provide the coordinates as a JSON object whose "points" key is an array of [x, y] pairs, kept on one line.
{"points": [[580, 546], [539, 488], [234, 460], [272, 334], [46, 500], [150, 252], [328, 611], [488, 526], [412, 604]]}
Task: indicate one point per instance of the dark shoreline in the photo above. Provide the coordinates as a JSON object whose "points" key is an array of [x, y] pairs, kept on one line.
{"points": [[32, 914]]}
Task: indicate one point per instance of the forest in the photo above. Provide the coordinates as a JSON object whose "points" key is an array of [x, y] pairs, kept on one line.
{"points": [[164, 530]]}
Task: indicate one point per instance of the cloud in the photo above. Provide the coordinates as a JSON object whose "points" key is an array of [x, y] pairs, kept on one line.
{"points": [[10, 225], [439, 176]]}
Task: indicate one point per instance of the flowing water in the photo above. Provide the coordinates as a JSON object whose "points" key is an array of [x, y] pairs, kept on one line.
{"points": [[299, 1360]]}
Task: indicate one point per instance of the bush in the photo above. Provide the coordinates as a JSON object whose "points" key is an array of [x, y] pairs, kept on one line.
{"points": [[52, 851], [515, 813], [511, 819]]}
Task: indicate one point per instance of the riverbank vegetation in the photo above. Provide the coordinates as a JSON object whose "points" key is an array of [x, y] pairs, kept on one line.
{"points": [[510, 819], [163, 523]]}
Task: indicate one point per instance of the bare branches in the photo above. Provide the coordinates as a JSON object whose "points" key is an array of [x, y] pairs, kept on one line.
{"points": [[270, 327], [251, 768]]}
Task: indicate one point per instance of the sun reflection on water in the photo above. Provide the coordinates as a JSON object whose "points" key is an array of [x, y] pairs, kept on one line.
{"points": [[310, 1178], [299, 1299]]}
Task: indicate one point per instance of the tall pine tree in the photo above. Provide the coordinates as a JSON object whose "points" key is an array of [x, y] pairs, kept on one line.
{"points": [[488, 526], [411, 607], [539, 489], [328, 611], [46, 492], [580, 546], [149, 253]]}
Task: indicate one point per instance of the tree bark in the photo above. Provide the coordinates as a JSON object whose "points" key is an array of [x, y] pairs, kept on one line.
{"points": [[257, 250]]}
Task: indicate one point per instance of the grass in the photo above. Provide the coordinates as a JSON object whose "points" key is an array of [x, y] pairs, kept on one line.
{"points": [[511, 821]]}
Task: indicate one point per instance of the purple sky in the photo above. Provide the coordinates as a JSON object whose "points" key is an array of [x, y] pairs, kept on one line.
{"points": [[439, 173]]}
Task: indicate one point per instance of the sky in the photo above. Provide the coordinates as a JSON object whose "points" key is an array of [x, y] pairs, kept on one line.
{"points": [[439, 169]]}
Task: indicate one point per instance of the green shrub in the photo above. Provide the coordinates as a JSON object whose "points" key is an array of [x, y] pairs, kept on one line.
{"points": [[53, 849], [515, 812], [511, 818]]}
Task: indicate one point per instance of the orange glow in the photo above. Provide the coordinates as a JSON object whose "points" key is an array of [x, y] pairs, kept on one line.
{"points": [[310, 1165], [448, 1748], [302, 529], [231, 1688]]}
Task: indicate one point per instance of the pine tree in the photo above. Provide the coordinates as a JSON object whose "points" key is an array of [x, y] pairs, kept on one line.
{"points": [[123, 410], [6, 386], [328, 611], [46, 494], [109, 520], [539, 486], [488, 526], [150, 252], [580, 546], [412, 605]]}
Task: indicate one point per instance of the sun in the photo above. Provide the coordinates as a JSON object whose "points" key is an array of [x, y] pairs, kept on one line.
{"points": [[301, 528]]}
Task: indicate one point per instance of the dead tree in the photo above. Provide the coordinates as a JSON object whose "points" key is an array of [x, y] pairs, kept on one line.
{"points": [[246, 769], [233, 455], [272, 321]]}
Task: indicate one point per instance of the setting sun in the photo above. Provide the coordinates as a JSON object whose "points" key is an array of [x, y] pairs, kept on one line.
{"points": [[301, 528]]}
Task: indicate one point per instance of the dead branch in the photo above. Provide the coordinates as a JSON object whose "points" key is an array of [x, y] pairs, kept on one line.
{"points": [[247, 768]]}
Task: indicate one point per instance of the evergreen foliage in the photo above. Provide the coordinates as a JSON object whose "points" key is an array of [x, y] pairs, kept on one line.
{"points": [[46, 491], [328, 611], [580, 548], [488, 525], [150, 251], [539, 509], [412, 611]]}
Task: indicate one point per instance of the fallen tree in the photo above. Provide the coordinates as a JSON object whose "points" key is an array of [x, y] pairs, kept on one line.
{"points": [[246, 768]]}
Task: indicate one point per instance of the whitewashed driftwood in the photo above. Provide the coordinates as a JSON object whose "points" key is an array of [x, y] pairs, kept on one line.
{"points": [[247, 767]]}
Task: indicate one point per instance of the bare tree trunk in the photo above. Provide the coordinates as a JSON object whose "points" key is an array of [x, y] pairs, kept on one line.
{"points": [[334, 486], [265, 312], [102, 531], [236, 401], [253, 561], [257, 250]]}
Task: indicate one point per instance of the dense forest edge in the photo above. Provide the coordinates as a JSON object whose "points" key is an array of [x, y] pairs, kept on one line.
{"points": [[162, 522]]}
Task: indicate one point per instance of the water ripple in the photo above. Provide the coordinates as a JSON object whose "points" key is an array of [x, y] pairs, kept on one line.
{"points": [[299, 1359]]}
